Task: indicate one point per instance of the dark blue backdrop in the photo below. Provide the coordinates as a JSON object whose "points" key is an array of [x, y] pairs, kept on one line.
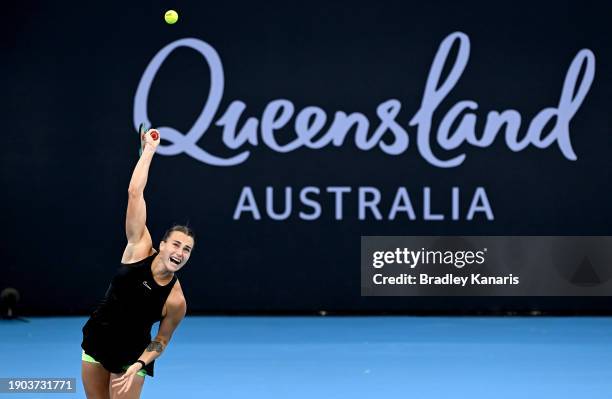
{"points": [[69, 142]]}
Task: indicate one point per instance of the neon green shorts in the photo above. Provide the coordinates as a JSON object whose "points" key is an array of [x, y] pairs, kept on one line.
{"points": [[86, 358]]}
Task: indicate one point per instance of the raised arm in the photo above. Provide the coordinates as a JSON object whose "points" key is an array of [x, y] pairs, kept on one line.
{"points": [[139, 243]]}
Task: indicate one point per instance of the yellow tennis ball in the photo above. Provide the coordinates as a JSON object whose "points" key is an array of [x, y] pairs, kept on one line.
{"points": [[171, 17]]}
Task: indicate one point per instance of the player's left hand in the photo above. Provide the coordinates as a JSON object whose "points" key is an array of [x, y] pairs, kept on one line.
{"points": [[125, 381]]}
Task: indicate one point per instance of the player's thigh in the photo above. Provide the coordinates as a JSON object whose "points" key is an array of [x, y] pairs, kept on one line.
{"points": [[132, 393], [95, 380]]}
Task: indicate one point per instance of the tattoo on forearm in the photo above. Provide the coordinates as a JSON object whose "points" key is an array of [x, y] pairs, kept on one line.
{"points": [[155, 346]]}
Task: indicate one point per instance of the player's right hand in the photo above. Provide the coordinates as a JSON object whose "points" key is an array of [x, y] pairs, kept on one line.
{"points": [[148, 140]]}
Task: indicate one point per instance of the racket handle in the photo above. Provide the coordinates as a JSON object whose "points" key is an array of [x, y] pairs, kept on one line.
{"points": [[155, 136]]}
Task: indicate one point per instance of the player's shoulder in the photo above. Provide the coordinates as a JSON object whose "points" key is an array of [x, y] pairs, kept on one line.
{"points": [[136, 253], [176, 300]]}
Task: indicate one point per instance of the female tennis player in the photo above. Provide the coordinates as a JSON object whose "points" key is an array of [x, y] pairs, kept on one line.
{"points": [[117, 347]]}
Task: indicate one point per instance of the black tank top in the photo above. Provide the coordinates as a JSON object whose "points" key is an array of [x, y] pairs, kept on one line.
{"points": [[119, 330]]}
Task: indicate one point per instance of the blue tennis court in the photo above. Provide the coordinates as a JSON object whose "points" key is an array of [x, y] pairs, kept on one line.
{"points": [[345, 357]]}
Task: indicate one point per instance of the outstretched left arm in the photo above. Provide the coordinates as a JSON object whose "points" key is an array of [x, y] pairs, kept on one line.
{"points": [[175, 312]]}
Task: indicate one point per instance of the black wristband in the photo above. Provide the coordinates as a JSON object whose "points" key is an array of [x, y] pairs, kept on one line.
{"points": [[141, 363]]}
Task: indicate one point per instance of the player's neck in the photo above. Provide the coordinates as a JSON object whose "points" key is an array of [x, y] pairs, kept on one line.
{"points": [[160, 272]]}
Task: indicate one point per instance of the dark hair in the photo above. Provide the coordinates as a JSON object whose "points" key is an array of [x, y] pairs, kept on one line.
{"points": [[177, 227]]}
